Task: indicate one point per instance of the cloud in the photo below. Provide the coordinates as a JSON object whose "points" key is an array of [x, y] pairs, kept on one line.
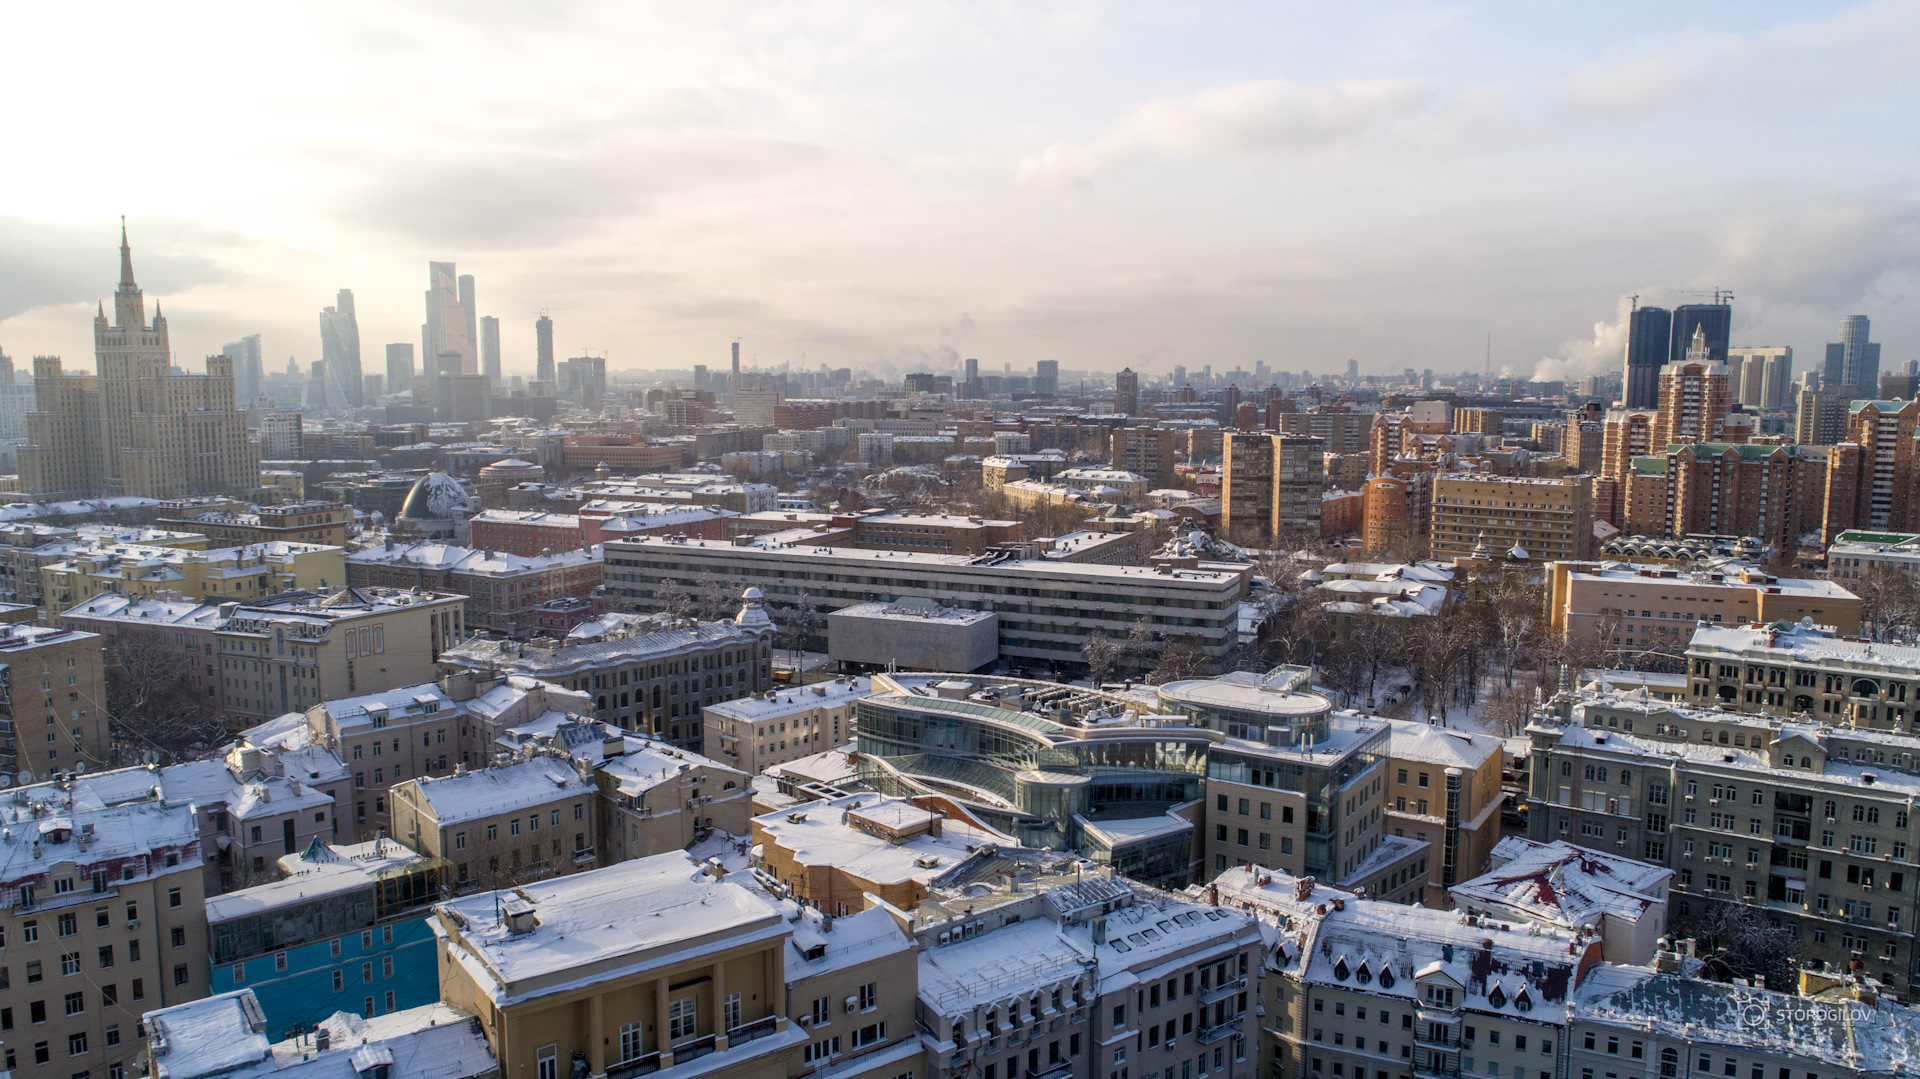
{"points": [[1604, 352], [1251, 118], [44, 263]]}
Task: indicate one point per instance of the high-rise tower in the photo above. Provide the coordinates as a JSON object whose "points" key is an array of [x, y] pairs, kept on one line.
{"points": [[1853, 362], [1126, 392], [399, 367], [467, 307], [340, 348], [1046, 377], [136, 428], [248, 368], [1713, 320], [1647, 349], [490, 349], [446, 327], [543, 350]]}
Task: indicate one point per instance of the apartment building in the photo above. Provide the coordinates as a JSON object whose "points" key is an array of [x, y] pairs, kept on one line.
{"points": [[1113, 485], [754, 733], [53, 702], [664, 963], [1341, 431], [1809, 825], [290, 652], [1640, 606], [1871, 475], [170, 628], [318, 521], [1855, 554], [262, 799], [227, 1036], [1293, 786], [1795, 669], [1547, 519], [220, 575], [498, 827], [1145, 451], [1046, 609], [26, 548], [1696, 396], [1576, 889], [1732, 490], [642, 673], [503, 590], [1397, 511], [1378, 988], [100, 902], [1272, 483]]}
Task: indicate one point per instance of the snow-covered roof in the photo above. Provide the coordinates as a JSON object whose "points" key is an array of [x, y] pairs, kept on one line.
{"points": [[636, 637], [313, 873], [111, 819], [224, 1036], [785, 702], [490, 792], [818, 834], [452, 558], [1444, 746], [1562, 885], [630, 917]]}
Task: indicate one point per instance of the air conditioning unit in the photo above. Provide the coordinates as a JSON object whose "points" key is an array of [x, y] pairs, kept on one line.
{"points": [[133, 923], [853, 1004]]}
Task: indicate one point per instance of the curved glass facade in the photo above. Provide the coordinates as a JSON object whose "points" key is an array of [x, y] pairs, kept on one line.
{"points": [[1022, 773]]}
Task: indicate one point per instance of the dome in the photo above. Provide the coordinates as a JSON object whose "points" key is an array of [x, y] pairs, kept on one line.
{"points": [[436, 497]]}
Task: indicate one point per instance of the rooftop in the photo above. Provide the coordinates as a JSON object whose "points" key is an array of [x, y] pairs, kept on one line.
{"points": [[1563, 885], [785, 702], [224, 1036], [490, 792], [762, 546], [317, 872]]}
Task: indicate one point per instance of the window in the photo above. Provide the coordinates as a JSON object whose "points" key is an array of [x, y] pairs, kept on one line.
{"points": [[871, 1034], [547, 1062], [683, 1018], [869, 996], [630, 1035]]}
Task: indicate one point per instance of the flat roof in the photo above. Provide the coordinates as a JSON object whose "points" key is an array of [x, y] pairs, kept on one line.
{"points": [[1034, 567]]}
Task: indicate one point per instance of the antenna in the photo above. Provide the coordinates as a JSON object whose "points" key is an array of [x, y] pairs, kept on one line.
{"points": [[1635, 302]]}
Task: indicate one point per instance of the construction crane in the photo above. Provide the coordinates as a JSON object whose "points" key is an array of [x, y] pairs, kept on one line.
{"points": [[1720, 295]]}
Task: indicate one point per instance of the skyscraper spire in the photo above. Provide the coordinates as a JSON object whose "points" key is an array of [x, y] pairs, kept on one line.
{"points": [[126, 256]]}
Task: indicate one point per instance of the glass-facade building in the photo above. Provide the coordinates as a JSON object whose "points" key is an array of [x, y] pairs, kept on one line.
{"points": [[346, 930], [1051, 766]]}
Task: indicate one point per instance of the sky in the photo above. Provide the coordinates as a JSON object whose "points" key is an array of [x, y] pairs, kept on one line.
{"points": [[894, 186]]}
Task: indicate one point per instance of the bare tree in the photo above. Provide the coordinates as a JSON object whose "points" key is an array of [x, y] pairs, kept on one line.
{"points": [[154, 706], [714, 601], [1737, 942], [1179, 659], [1889, 604], [673, 598], [1102, 653]]}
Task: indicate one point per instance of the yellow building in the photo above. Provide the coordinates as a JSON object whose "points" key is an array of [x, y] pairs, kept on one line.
{"points": [[1443, 789], [216, 576], [651, 965], [1546, 519]]}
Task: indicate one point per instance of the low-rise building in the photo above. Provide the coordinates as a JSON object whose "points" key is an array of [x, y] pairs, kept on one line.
{"points": [[643, 673], [780, 725], [1798, 669], [912, 634], [831, 855], [1445, 792], [1659, 606], [498, 827], [166, 630], [221, 575], [321, 522], [228, 1036], [1576, 889], [260, 800], [503, 590], [342, 920], [53, 701]]}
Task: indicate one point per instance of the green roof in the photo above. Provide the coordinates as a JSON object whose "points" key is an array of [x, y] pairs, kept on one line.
{"points": [[1882, 406], [1880, 539], [1650, 466]]}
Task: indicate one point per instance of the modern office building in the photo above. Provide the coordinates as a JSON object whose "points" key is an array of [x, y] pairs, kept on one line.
{"points": [[135, 428], [399, 367], [1293, 786], [1046, 377], [340, 349], [446, 326], [543, 364], [490, 351], [1050, 765], [1713, 322], [1047, 609], [1648, 330], [248, 368], [1853, 362]]}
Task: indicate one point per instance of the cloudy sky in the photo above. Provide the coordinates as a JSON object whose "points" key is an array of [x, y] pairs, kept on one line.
{"points": [[880, 184]]}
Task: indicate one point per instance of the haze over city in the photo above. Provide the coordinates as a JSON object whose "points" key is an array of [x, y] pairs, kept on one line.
{"points": [[893, 187]]}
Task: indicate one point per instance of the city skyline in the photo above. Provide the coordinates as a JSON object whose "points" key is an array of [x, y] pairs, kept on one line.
{"points": [[1242, 199]]}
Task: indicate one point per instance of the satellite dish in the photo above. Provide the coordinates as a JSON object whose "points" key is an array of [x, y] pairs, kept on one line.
{"points": [[5, 781], [25, 777], [80, 769]]}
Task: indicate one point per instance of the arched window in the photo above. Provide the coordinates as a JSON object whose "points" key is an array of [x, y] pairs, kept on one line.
{"points": [[1626, 777], [1669, 1063], [1600, 774], [1566, 768], [1832, 810], [1589, 772]]}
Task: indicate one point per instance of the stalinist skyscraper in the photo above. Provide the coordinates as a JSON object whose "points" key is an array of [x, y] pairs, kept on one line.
{"points": [[135, 428]]}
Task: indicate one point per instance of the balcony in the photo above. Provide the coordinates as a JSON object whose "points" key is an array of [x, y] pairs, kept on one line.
{"points": [[1445, 1038], [1219, 1031], [1224, 989]]}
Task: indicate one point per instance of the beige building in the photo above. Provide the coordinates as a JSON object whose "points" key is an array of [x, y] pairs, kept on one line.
{"points": [[781, 725], [322, 521], [1443, 789], [105, 919], [136, 428], [831, 855], [216, 576], [498, 827], [1547, 519], [290, 653], [1801, 670], [651, 964], [53, 701], [1639, 606]]}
